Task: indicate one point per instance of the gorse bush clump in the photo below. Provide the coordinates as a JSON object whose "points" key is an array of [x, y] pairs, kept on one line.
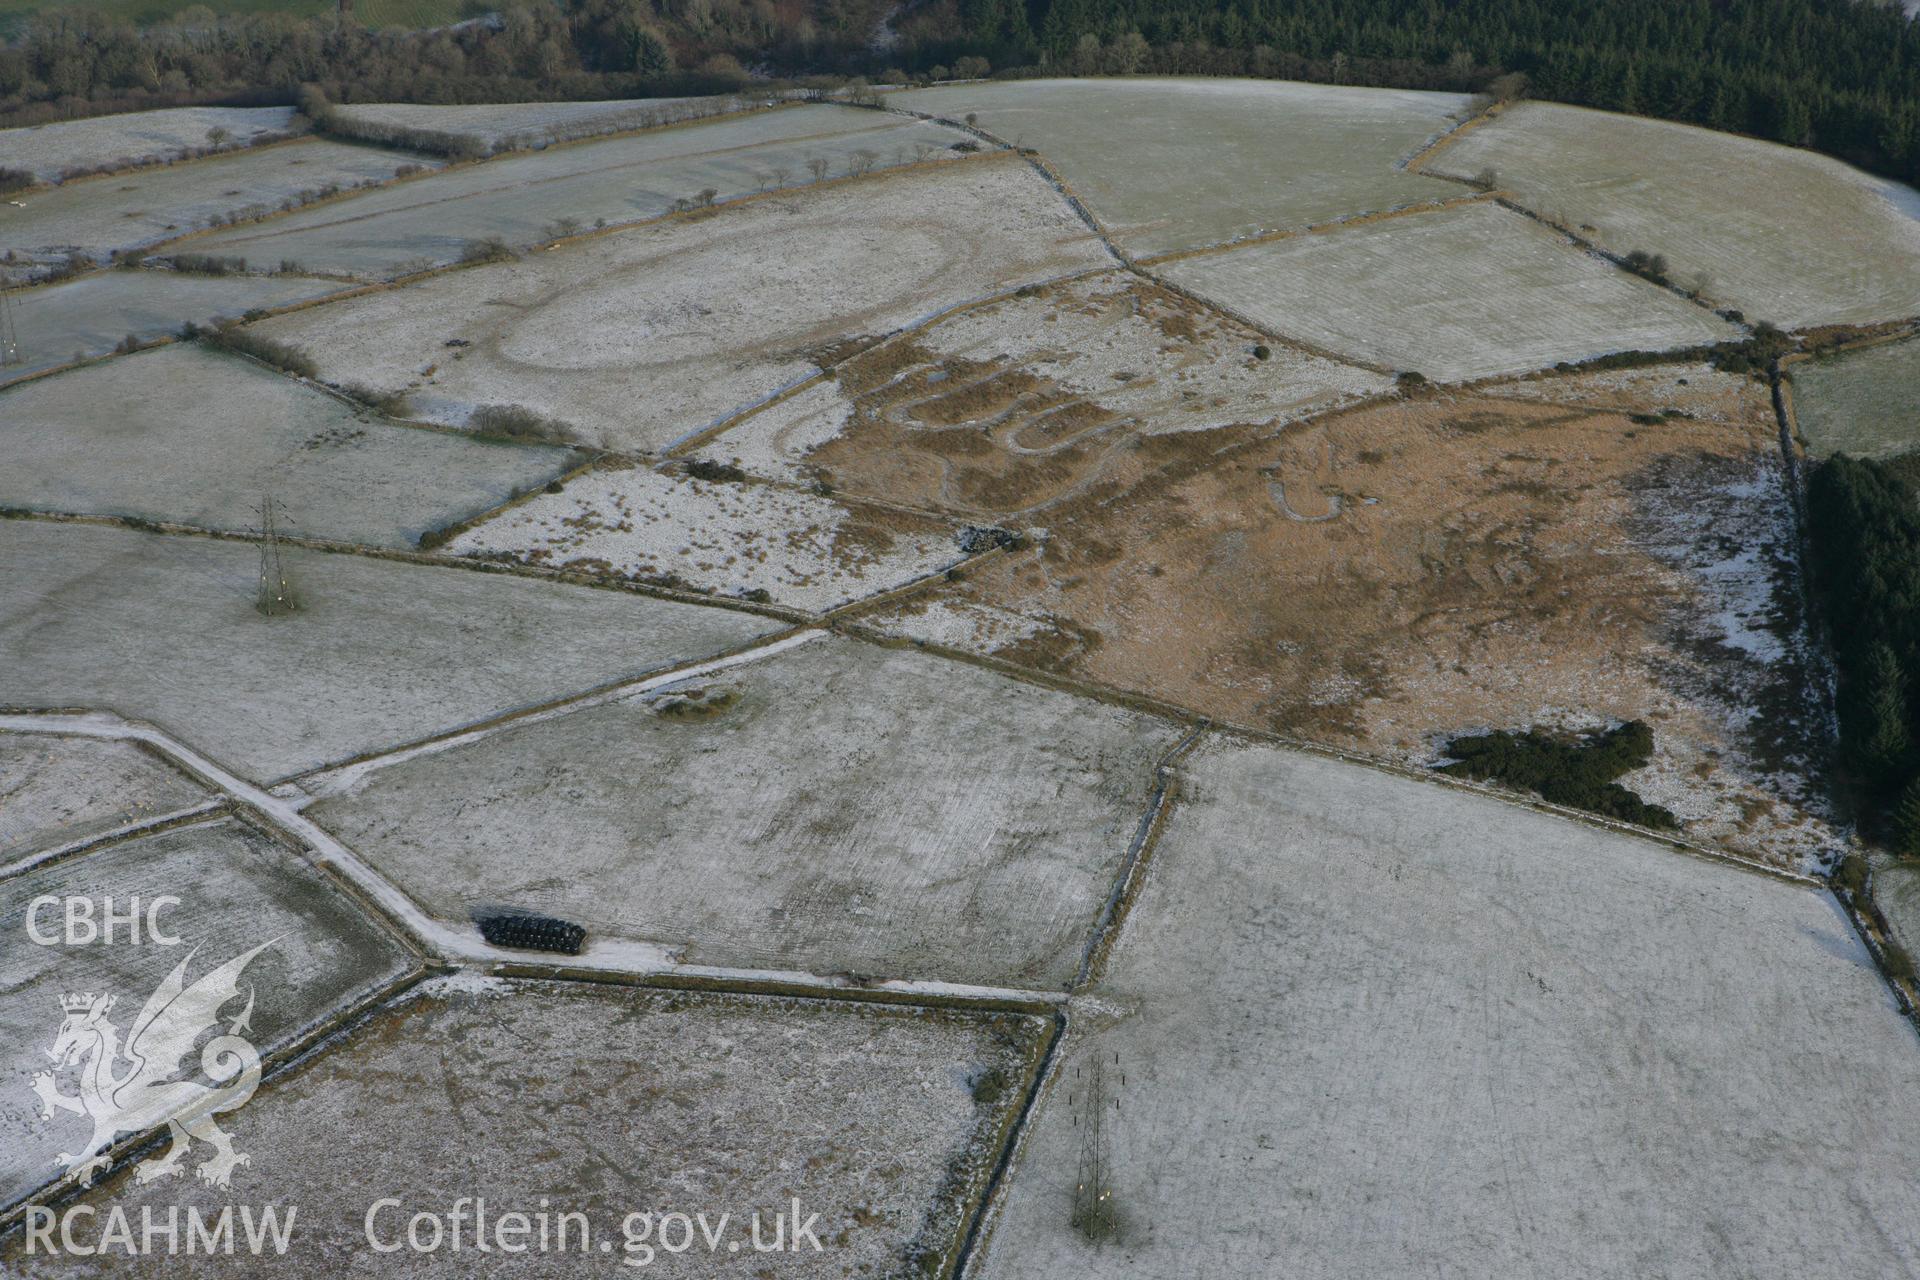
{"points": [[245, 342], [517, 422], [1575, 771]]}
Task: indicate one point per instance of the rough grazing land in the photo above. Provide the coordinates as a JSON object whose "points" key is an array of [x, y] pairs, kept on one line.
{"points": [[1383, 577], [1371, 1028], [528, 124], [610, 1101], [56, 791], [1461, 294], [92, 315], [1866, 403], [185, 435], [132, 210], [1017, 403], [165, 629], [1785, 235], [525, 199], [708, 315], [236, 890], [733, 538], [50, 151], [791, 814], [1174, 164]]}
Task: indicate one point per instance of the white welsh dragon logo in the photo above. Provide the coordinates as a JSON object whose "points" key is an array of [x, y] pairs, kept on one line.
{"points": [[144, 1093]]}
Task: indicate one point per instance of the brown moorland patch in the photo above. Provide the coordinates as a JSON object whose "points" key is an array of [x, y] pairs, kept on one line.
{"points": [[1388, 576]]}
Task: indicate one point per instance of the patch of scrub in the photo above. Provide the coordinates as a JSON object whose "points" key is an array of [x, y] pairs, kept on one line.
{"points": [[786, 815]]}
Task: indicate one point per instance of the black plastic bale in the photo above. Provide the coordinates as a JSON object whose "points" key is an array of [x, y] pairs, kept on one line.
{"points": [[523, 932]]}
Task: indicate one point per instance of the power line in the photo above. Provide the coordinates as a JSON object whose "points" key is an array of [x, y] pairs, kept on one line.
{"points": [[276, 595]]}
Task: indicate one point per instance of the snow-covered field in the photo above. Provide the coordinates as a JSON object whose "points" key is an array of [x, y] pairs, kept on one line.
{"points": [[1784, 234], [57, 791], [49, 151], [497, 125], [1372, 1028], [185, 435], [839, 808], [1170, 164], [1100, 360], [133, 210], [1866, 403], [1461, 294], [802, 549], [236, 889], [607, 1101], [165, 629], [525, 199], [92, 315], [642, 337]]}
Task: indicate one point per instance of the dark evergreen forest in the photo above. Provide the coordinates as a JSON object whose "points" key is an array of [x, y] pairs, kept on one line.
{"points": [[1842, 76]]}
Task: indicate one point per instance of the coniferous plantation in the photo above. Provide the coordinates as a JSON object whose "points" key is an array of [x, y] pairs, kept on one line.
{"points": [[1836, 75], [1865, 528]]}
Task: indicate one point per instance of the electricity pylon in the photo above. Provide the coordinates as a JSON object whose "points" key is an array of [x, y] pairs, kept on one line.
{"points": [[1095, 1215], [276, 595]]}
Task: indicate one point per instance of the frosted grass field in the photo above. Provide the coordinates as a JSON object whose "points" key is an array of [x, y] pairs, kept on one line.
{"points": [[524, 198], [1465, 293], [1243, 156], [134, 210], [49, 151], [786, 816], [1783, 234], [1866, 402], [1371, 1028], [607, 1101], [803, 549], [90, 316], [56, 791], [236, 889], [709, 315], [164, 629], [186, 435]]}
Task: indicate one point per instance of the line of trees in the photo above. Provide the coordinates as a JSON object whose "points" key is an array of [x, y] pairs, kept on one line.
{"points": [[1864, 523], [1839, 75]]}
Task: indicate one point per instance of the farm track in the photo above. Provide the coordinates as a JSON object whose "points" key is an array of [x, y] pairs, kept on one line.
{"points": [[644, 962]]}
